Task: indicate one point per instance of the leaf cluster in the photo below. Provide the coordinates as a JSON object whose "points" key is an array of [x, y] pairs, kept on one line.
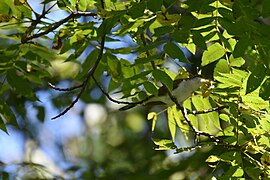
{"points": [[136, 44]]}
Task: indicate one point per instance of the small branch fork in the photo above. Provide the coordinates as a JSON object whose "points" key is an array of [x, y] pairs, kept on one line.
{"points": [[28, 36], [84, 84]]}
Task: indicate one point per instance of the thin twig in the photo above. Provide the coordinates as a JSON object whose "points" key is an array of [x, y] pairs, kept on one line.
{"points": [[147, 52], [207, 110], [73, 102], [94, 67], [53, 26], [65, 89], [86, 81], [110, 98], [196, 131]]}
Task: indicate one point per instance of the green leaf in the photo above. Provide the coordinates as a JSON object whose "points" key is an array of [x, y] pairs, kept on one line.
{"points": [[114, 65], [163, 78], [225, 41], [266, 8], [154, 5], [127, 70], [265, 159], [237, 171], [4, 9], [255, 102], [199, 40], [107, 24], [222, 66], [88, 63], [180, 36], [232, 80], [113, 85], [63, 4], [141, 75], [203, 22], [83, 5], [180, 120], [145, 60], [167, 19], [256, 77], [137, 10], [20, 84], [7, 113], [226, 13], [241, 46], [209, 119], [2, 124], [213, 53], [151, 88], [264, 90], [212, 159], [175, 52], [152, 116], [162, 30], [40, 52], [253, 172], [164, 144], [41, 113], [172, 122], [232, 156], [236, 62]]}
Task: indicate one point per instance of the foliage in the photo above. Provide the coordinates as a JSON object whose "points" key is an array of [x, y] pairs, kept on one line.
{"points": [[228, 42]]}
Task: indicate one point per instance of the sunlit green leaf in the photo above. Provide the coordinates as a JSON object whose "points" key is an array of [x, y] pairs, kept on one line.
{"points": [[163, 77], [172, 122], [213, 53], [168, 19], [164, 144], [236, 62], [209, 119], [212, 159], [222, 66], [152, 116], [255, 102]]}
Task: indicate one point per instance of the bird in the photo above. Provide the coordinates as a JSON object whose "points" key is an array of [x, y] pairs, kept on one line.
{"points": [[182, 90]]}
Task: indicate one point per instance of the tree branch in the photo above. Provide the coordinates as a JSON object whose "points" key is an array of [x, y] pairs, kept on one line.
{"points": [[65, 89], [206, 110], [114, 100], [196, 131], [86, 81], [54, 26]]}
